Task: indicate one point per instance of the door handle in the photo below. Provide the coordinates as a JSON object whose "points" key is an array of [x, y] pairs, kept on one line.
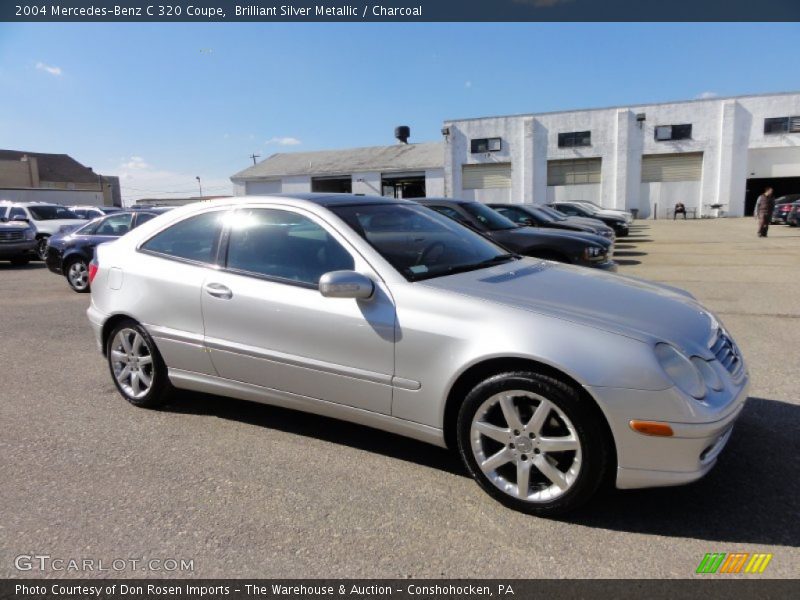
{"points": [[219, 291]]}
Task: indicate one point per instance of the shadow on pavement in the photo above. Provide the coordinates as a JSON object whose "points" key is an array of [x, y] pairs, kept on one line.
{"points": [[752, 496], [31, 266]]}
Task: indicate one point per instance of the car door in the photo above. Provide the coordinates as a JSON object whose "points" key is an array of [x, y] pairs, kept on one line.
{"points": [[267, 324]]}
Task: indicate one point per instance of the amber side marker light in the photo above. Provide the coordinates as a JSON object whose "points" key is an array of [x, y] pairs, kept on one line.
{"points": [[651, 428]]}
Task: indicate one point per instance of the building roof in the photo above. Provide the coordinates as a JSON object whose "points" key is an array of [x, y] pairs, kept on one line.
{"points": [[398, 157], [55, 167]]}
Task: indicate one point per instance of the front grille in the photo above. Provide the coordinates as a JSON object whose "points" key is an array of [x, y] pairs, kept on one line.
{"points": [[12, 236], [727, 353]]}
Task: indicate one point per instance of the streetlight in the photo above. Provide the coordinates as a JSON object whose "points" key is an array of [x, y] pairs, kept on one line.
{"points": [[200, 185]]}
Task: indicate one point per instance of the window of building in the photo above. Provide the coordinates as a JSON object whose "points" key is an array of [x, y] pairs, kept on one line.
{"points": [[283, 245], [192, 239], [574, 172], [574, 139], [782, 125], [665, 133], [480, 145]]}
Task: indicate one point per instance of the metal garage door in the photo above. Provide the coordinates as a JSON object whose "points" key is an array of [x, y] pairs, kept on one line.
{"points": [[482, 177], [574, 171], [672, 167]]}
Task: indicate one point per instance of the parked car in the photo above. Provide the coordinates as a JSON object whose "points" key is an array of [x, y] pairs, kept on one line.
{"points": [[782, 207], [570, 219], [575, 209], [547, 379], [573, 247], [48, 219], [533, 216], [793, 218], [92, 212], [612, 212], [17, 241], [69, 254]]}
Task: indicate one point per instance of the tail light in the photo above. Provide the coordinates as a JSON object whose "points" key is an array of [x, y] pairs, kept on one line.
{"points": [[93, 267]]}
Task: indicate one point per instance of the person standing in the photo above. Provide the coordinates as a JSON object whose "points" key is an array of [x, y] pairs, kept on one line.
{"points": [[765, 205]]}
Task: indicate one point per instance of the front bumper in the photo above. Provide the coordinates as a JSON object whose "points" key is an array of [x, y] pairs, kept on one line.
{"points": [[15, 249], [607, 265], [651, 461], [96, 320]]}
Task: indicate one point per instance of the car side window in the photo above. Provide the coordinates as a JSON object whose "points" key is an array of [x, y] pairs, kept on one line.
{"points": [[514, 214], [284, 245], [192, 239], [17, 213], [143, 218], [567, 210], [116, 225]]}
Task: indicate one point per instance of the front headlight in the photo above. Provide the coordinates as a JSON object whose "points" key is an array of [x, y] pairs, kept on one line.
{"points": [[681, 370], [591, 252]]}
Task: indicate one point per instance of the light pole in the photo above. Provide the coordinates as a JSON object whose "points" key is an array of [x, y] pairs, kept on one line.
{"points": [[200, 185]]}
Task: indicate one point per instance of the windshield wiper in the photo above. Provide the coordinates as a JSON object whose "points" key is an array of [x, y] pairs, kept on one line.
{"points": [[489, 262]]}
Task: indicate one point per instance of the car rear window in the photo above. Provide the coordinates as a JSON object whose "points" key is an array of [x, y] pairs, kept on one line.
{"points": [[192, 239]]}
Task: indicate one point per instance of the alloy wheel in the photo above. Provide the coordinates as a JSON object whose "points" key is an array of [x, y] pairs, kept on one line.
{"points": [[526, 446], [78, 275], [132, 363]]}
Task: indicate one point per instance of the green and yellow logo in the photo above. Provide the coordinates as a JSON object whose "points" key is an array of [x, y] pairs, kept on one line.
{"points": [[735, 562]]}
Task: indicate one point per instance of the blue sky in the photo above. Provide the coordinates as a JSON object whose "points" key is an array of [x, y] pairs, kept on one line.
{"points": [[160, 104]]}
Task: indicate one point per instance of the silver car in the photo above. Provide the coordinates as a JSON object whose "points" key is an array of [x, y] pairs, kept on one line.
{"points": [[547, 379]]}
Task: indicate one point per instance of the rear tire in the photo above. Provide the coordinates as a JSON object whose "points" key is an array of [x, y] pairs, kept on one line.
{"points": [[41, 248], [526, 429], [136, 366], [77, 274]]}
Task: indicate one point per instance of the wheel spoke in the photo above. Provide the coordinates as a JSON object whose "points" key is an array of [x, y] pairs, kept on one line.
{"points": [[135, 383], [126, 343], [558, 444], [145, 360], [540, 416], [496, 460], [145, 378], [137, 344], [510, 412], [523, 478], [551, 472], [124, 374], [118, 356], [498, 434]]}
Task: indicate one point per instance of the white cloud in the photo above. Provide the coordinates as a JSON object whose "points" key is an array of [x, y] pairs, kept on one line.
{"points": [[49, 69], [139, 179], [283, 141], [706, 95]]}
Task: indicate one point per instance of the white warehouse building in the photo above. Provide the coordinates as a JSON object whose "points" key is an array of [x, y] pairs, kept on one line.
{"points": [[711, 154]]}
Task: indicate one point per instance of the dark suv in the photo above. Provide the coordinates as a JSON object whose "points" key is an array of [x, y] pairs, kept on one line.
{"points": [[584, 249]]}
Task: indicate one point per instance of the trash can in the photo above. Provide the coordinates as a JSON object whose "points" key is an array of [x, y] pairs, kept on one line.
{"points": [[635, 213]]}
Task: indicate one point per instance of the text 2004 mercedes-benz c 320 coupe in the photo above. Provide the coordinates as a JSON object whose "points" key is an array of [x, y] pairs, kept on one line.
{"points": [[546, 378]]}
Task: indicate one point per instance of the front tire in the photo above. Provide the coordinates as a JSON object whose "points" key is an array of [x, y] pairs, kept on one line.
{"points": [[136, 366], [41, 248], [77, 274], [533, 443]]}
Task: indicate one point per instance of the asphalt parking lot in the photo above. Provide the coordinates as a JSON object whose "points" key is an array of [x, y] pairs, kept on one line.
{"points": [[247, 490]]}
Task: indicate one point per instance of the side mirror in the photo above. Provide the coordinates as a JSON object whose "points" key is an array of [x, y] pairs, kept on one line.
{"points": [[346, 284]]}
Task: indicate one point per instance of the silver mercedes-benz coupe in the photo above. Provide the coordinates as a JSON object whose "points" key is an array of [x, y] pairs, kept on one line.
{"points": [[547, 379]]}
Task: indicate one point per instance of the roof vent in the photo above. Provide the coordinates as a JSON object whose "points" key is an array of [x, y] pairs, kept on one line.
{"points": [[402, 133]]}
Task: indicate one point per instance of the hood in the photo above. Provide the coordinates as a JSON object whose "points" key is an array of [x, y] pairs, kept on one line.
{"points": [[538, 234], [54, 225], [13, 226], [626, 306]]}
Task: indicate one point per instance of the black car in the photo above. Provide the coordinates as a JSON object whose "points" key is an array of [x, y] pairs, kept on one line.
{"points": [[535, 216], [783, 205], [793, 218], [570, 247], [69, 254], [571, 209]]}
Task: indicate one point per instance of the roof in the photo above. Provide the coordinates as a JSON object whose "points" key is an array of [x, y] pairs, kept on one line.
{"points": [[55, 167], [398, 157]]}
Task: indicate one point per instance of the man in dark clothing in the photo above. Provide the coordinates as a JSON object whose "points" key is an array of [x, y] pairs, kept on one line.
{"points": [[764, 207], [680, 209]]}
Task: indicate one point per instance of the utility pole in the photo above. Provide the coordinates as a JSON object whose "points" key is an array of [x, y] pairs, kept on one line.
{"points": [[200, 185], [254, 157]]}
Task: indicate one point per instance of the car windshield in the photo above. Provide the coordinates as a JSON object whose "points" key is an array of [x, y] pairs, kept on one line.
{"points": [[419, 242], [489, 218], [541, 214], [49, 213], [552, 212]]}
